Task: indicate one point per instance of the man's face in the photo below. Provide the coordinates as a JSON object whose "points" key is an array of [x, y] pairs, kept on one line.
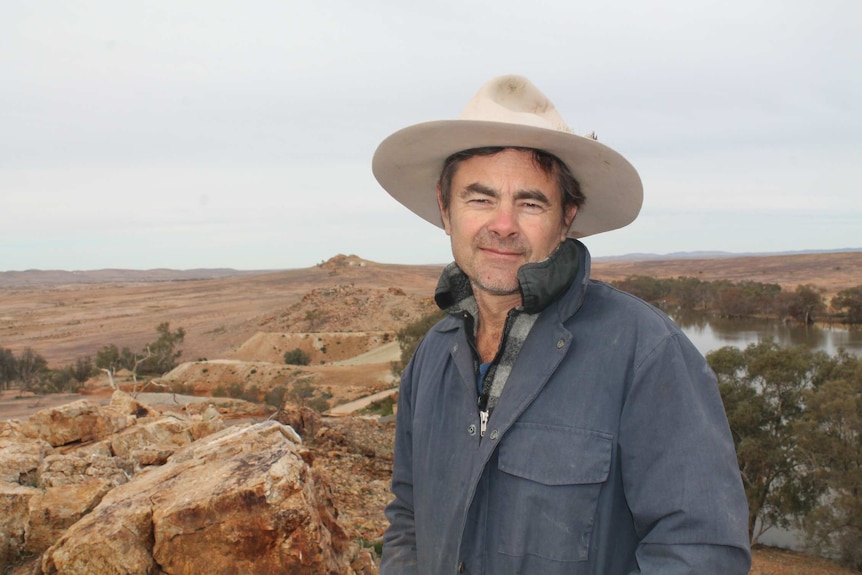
{"points": [[504, 212]]}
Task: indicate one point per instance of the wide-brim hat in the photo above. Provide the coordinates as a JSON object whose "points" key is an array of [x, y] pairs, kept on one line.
{"points": [[509, 111]]}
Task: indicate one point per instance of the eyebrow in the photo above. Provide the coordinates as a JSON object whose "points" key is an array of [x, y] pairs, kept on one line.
{"points": [[535, 195]]}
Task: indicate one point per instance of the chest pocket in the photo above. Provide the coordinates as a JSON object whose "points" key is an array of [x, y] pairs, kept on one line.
{"points": [[547, 493]]}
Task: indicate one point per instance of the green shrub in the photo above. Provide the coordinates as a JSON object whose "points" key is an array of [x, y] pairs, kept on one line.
{"points": [[381, 407], [296, 357]]}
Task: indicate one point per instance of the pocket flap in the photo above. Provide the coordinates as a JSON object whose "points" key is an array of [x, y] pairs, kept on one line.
{"points": [[555, 454]]}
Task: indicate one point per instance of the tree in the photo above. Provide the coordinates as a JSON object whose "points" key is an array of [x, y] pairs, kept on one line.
{"points": [[411, 335], [161, 355], [647, 288], [690, 293], [805, 304], [746, 298], [848, 303], [113, 359], [157, 357], [731, 302], [83, 369], [32, 367], [763, 389], [8, 368], [831, 433]]}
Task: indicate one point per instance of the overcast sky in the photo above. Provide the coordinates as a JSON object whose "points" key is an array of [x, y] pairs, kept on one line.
{"points": [[185, 134]]}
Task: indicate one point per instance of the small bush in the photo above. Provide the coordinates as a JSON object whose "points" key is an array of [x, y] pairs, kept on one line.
{"points": [[275, 397], [318, 404], [382, 407], [252, 394], [375, 544], [296, 357]]}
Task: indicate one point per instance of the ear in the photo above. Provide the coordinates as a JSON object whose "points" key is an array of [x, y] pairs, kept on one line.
{"points": [[444, 213]]}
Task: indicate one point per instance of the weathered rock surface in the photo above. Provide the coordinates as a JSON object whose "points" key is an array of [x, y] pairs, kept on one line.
{"points": [[124, 488], [14, 519], [57, 508], [240, 501], [77, 421]]}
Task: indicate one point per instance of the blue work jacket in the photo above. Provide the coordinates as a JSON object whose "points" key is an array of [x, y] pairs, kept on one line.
{"points": [[609, 452]]}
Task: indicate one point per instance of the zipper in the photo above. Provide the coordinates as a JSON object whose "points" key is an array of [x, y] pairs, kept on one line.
{"points": [[483, 422]]}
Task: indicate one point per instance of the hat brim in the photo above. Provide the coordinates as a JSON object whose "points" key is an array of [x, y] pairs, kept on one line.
{"points": [[408, 164]]}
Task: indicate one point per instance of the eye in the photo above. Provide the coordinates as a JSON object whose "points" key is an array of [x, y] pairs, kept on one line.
{"points": [[532, 207]]}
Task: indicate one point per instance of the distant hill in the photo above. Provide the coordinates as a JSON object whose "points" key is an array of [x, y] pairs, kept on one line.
{"points": [[633, 257], [37, 277], [62, 277]]}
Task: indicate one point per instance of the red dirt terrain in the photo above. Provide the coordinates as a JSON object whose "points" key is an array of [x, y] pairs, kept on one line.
{"points": [[64, 321], [343, 313]]}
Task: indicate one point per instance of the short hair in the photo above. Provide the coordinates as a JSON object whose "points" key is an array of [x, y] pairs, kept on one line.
{"points": [[551, 165]]}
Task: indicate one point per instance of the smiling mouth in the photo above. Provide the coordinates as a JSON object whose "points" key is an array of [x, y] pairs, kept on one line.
{"points": [[501, 253]]}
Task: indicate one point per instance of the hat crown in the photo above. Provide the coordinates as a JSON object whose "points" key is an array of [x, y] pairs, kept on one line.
{"points": [[514, 100]]}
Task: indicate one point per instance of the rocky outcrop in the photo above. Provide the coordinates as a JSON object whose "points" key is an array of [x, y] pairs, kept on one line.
{"points": [[82, 421], [240, 501], [165, 494]]}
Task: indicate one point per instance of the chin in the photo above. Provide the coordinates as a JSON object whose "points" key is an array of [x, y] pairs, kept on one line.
{"points": [[498, 287]]}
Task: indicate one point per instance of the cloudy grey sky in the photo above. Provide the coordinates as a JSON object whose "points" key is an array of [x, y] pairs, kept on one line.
{"points": [[184, 134]]}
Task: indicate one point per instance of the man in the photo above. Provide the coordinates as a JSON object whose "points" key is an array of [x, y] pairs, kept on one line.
{"points": [[550, 424]]}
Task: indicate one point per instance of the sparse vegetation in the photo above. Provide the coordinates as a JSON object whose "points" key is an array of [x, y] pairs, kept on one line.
{"points": [[374, 544], [31, 372], [156, 358], [296, 357], [829, 522], [275, 396], [251, 394], [410, 336], [805, 304], [304, 393], [382, 407], [848, 304], [796, 419]]}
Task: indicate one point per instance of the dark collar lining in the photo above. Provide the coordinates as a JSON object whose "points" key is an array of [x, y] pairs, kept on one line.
{"points": [[540, 282]]}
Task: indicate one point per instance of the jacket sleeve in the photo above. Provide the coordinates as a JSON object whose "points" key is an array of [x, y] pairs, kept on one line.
{"points": [[680, 472], [399, 540]]}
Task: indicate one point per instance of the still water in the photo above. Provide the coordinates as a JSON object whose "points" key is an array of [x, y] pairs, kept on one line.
{"points": [[710, 333]]}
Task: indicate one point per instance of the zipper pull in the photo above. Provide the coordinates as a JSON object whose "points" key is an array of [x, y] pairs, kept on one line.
{"points": [[483, 422]]}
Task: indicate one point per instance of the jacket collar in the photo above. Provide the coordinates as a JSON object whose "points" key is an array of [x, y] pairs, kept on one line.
{"points": [[540, 282]]}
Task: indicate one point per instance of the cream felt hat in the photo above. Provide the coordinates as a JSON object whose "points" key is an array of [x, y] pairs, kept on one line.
{"points": [[509, 111]]}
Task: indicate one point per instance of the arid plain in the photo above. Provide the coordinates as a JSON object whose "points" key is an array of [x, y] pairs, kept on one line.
{"points": [[64, 315], [346, 305]]}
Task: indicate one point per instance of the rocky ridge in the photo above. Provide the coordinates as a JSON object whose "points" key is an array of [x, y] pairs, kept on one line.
{"points": [[130, 488]]}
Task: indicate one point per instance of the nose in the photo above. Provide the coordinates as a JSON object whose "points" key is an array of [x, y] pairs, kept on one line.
{"points": [[504, 221]]}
